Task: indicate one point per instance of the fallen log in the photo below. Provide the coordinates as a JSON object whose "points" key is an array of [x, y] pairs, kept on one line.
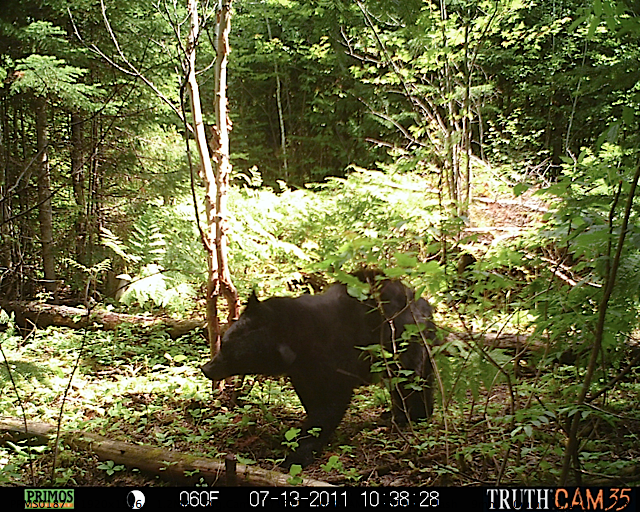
{"points": [[44, 315], [176, 467], [507, 341]]}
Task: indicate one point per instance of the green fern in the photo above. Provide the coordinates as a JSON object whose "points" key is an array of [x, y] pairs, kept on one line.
{"points": [[147, 241]]}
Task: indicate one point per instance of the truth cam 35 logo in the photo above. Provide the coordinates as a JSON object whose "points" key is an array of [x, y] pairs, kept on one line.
{"points": [[578, 499]]}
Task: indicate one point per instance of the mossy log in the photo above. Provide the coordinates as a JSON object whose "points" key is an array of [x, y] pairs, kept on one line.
{"points": [[176, 467], [43, 315]]}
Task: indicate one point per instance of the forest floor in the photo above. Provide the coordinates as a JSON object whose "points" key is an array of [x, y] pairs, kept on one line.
{"points": [[471, 450], [475, 439]]}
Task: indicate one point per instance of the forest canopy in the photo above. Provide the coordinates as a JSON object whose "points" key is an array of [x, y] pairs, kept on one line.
{"points": [[484, 152]]}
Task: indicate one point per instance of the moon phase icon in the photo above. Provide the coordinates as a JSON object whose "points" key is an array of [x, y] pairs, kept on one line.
{"points": [[135, 500]]}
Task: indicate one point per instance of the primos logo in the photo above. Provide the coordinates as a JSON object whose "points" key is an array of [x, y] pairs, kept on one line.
{"points": [[48, 498]]}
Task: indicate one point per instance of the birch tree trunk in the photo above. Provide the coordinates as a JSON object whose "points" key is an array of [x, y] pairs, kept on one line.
{"points": [[222, 160], [216, 180]]}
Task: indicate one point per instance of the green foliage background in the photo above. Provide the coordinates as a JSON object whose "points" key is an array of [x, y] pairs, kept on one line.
{"points": [[380, 100]]}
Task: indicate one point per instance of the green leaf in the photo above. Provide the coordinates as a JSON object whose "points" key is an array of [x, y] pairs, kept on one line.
{"points": [[520, 189], [579, 21], [628, 116], [292, 433], [597, 7], [595, 21], [406, 260]]}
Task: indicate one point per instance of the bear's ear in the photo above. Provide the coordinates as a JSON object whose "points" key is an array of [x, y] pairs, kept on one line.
{"points": [[253, 300]]}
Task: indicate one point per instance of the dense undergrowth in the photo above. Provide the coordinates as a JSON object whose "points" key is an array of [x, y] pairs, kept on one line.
{"points": [[515, 286]]}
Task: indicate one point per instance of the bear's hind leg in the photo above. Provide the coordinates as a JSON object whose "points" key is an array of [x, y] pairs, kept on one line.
{"points": [[414, 402]]}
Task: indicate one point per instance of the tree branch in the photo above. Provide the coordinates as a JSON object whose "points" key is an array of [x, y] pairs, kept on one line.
{"points": [[129, 69]]}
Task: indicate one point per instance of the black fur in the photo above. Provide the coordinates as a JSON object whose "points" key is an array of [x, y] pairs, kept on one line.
{"points": [[314, 340]]}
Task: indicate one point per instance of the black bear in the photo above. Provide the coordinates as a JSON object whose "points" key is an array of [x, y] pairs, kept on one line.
{"points": [[318, 340]]}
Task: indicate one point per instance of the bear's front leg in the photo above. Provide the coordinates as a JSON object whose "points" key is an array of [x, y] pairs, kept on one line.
{"points": [[325, 408]]}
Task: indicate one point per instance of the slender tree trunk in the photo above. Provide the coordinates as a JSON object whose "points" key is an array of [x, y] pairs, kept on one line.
{"points": [[222, 159], [45, 215], [213, 327], [94, 179], [5, 184], [571, 449], [216, 181], [283, 134], [78, 180], [465, 196]]}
